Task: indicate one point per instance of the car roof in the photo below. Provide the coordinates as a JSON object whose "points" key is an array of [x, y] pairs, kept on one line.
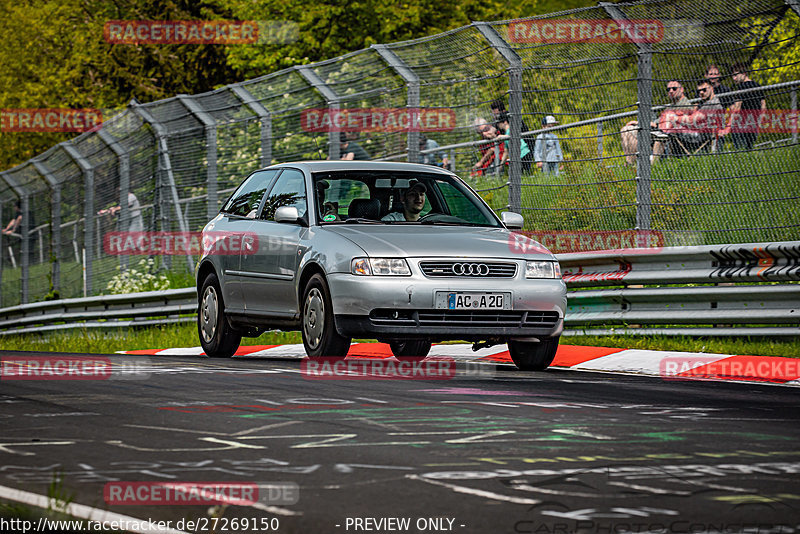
{"points": [[330, 166]]}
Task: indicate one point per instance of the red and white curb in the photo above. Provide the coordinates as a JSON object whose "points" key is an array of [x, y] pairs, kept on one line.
{"points": [[665, 364]]}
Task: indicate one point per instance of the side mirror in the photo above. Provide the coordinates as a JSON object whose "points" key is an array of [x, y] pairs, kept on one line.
{"points": [[286, 214], [512, 220]]}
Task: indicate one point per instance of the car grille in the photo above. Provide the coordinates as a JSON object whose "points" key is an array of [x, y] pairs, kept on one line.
{"points": [[477, 269], [466, 318]]}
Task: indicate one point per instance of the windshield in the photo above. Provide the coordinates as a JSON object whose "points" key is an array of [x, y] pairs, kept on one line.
{"points": [[353, 197]]}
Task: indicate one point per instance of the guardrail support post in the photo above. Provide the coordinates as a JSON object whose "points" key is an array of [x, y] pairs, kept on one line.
{"points": [[165, 166], [210, 126], [412, 94], [515, 112], [55, 224], [332, 99], [265, 119], [644, 92], [89, 212]]}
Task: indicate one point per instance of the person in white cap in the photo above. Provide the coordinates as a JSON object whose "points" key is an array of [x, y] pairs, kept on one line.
{"points": [[413, 203], [547, 150]]}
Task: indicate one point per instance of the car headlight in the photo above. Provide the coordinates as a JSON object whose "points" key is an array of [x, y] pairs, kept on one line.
{"points": [[542, 269], [380, 267]]}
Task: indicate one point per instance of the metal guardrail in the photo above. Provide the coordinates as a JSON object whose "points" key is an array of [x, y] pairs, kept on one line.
{"points": [[105, 311], [721, 299]]}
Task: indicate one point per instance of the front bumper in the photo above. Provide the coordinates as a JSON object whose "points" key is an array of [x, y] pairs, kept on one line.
{"points": [[386, 306]]}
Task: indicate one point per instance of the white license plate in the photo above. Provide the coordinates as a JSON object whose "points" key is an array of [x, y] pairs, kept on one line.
{"points": [[461, 300]]}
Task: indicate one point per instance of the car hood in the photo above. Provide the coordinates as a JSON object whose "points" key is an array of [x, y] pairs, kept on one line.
{"points": [[410, 241]]}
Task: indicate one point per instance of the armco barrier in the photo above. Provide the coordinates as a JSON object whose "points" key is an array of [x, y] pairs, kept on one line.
{"points": [[721, 298], [723, 290]]}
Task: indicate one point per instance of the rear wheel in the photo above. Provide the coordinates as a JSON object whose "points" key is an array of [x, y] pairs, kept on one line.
{"points": [[410, 350], [320, 338], [217, 337], [530, 356]]}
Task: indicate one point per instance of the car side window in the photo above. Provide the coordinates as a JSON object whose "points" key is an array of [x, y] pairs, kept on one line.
{"points": [[247, 198], [289, 190]]}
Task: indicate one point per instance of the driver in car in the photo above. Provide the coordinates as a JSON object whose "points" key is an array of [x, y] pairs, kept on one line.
{"points": [[413, 203]]}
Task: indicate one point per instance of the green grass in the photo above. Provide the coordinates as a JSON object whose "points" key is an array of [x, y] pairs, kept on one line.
{"points": [[185, 335]]}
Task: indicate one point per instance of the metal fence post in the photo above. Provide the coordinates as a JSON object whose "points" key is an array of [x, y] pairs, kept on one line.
{"points": [[23, 199], [210, 126], [89, 208], [644, 91], [412, 94], [55, 222], [515, 112], [265, 119], [600, 140], [124, 165], [794, 111], [165, 166], [333, 106]]}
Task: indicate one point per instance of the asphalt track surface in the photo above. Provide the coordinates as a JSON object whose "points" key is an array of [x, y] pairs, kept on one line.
{"points": [[504, 451]]}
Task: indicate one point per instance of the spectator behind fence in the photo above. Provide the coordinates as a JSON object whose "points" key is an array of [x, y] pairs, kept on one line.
{"points": [[678, 105], [350, 150], [709, 112], [525, 153], [713, 77], [135, 220], [438, 159], [547, 150], [488, 132], [498, 108], [14, 224], [691, 131], [745, 111]]}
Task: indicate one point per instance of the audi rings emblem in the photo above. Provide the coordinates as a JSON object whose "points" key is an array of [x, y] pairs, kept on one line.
{"points": [[470, 269]]}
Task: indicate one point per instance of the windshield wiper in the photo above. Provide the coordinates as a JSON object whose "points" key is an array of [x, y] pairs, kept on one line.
{"points": [[362, 220], [443, 223]]}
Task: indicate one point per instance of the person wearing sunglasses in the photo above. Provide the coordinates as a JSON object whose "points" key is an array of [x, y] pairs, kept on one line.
{"points": [[668, 121]]}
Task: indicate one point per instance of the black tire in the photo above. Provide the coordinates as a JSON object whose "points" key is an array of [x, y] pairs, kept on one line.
{"points": [[533, 356], [217, 337], [320, 338], [410, 350]]}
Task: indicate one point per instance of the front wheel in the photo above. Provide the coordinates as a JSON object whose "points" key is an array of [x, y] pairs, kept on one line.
{"points": [[320, 338], [410, 350], [533, 356], [217, 338]]}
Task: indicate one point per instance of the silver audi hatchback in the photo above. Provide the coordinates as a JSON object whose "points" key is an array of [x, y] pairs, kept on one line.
{"points": [[405, 253]]}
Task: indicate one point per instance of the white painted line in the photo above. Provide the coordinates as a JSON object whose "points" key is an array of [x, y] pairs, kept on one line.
{"points": [[186, 351], [287, 351], [465, 350], [646, 362], [82, 511], [476, 492]]}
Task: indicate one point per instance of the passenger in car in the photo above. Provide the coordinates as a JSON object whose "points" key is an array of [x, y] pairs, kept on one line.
{"points": [[413, 203]]}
